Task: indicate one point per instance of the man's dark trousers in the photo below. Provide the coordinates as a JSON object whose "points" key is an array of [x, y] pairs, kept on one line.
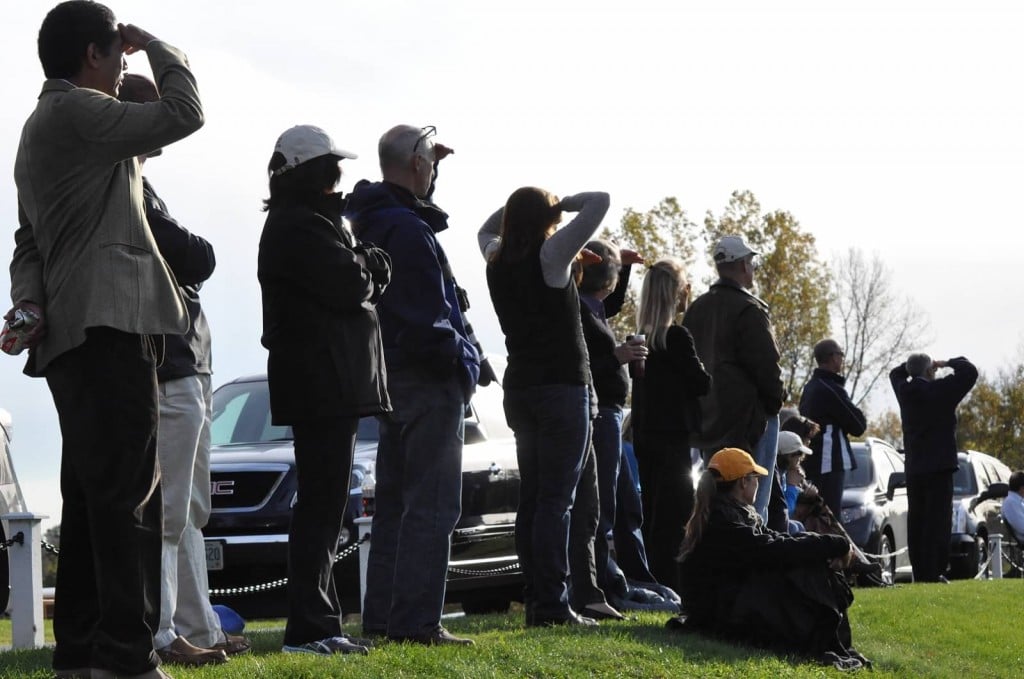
{"points": [[108, 572], [929, 521]]}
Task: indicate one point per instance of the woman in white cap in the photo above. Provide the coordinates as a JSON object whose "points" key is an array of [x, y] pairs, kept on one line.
{"points": [[325, 369], [747, 583], [807, 506]]}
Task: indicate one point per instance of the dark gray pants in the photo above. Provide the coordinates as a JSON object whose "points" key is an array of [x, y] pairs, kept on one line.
{"points": [[108, 571]]}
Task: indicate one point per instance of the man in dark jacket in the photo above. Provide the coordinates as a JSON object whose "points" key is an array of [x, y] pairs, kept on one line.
{"points": [[433, 370], [733, 335], [928, 410], [325, 369], [190, 631], [826, 402]]}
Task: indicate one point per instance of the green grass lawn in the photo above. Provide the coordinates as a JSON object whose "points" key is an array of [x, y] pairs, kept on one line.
{"points": [[958, 630]]}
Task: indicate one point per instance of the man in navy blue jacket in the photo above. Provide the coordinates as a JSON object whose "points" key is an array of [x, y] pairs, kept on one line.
{"points": [[928, 410], [433, 370], [825, 401]]}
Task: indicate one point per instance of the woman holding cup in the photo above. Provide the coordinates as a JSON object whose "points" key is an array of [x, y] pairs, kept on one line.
{"points": [[665, 412]]}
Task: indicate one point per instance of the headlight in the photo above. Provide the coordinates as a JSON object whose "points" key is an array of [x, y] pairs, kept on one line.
{"points": [[959, 518], [851, 514]]}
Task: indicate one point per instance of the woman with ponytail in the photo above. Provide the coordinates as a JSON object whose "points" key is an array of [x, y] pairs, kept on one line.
{"points": [[547, 382], [746, 583], [665, 413]]}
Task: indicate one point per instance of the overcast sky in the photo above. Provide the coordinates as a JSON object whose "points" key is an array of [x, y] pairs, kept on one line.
{"points": [[890, 126]]}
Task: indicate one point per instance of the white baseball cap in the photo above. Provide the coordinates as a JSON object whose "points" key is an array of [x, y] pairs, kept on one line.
{"points": [[790, 443], [731, 249], [303, 143]]}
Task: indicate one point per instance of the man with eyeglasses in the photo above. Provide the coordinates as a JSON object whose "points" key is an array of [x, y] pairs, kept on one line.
{"points": [[433, 369], [732, 332], [825, 401]]}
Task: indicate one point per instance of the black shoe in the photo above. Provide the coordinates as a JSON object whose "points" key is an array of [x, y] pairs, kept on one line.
{"points": [[602, 611], [573, 618], [854, 653], [439, 636]]}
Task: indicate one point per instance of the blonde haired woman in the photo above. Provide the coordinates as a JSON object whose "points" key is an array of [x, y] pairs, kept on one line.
{"points": [[665, 412]]}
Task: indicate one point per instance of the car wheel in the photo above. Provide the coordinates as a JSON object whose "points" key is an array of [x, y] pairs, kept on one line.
{"points": [[888, 561], [483, 603]]}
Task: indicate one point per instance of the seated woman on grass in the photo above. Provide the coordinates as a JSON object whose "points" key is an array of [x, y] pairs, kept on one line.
{"points": [[746, 583]]}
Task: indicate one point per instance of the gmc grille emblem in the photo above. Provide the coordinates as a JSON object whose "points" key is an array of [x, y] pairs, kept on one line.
{"points": [[222, 488]]}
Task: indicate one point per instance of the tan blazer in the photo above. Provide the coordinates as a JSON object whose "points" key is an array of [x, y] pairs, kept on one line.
{"points": [[84, 251]]}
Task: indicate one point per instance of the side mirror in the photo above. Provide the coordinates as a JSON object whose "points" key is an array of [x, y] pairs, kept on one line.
{"points": [[998, 489], [896, 480]]}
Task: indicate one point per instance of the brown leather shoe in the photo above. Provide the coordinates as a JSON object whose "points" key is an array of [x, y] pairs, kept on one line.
{"points": [[439, 636], [233, 644], [180, 652]]}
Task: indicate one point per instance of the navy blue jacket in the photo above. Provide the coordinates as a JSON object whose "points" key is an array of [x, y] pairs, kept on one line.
{"points": [[192, 261], [928, 411], [421, 324], [825, 401]]}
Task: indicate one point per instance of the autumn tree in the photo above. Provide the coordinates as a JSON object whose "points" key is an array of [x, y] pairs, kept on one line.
{"points": [[877, 326], [991, 418], [664, 230], [790, 277], [887, 427]]}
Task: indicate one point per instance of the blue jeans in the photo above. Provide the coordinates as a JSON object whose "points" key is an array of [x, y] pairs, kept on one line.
{"points": [[552, 426], [418, 503], [607, 437], [630, 552], [765, 454]]}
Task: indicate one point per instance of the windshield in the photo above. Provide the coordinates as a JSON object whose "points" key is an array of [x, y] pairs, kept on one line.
{"points": [[241, 414], [963, 480], [863, 475]]}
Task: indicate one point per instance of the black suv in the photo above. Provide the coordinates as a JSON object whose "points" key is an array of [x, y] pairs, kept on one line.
{"points": [[253, 488]]}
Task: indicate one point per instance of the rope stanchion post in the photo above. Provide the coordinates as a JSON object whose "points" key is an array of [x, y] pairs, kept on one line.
{"points": [[995, 548], [26, 566]]}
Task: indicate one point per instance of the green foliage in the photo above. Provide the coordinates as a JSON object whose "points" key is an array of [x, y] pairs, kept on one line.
{"points": [[663, 231], [991, 419], [52, 536], [887, 427], [943, 631], [790, 277]]}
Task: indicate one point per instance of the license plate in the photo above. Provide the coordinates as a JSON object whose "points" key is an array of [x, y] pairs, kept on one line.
{"points": [[214, 555]]}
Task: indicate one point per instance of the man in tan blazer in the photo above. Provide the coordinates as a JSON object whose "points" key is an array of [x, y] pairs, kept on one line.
{"points": [[85, 262]]}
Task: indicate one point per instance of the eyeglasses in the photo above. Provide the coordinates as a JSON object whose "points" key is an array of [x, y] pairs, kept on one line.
{"points": [[428, 132]]}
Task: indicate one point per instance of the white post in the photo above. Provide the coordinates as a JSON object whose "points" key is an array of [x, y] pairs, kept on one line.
{"points": [[995, 548], [26, 567], [363, 523]]}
